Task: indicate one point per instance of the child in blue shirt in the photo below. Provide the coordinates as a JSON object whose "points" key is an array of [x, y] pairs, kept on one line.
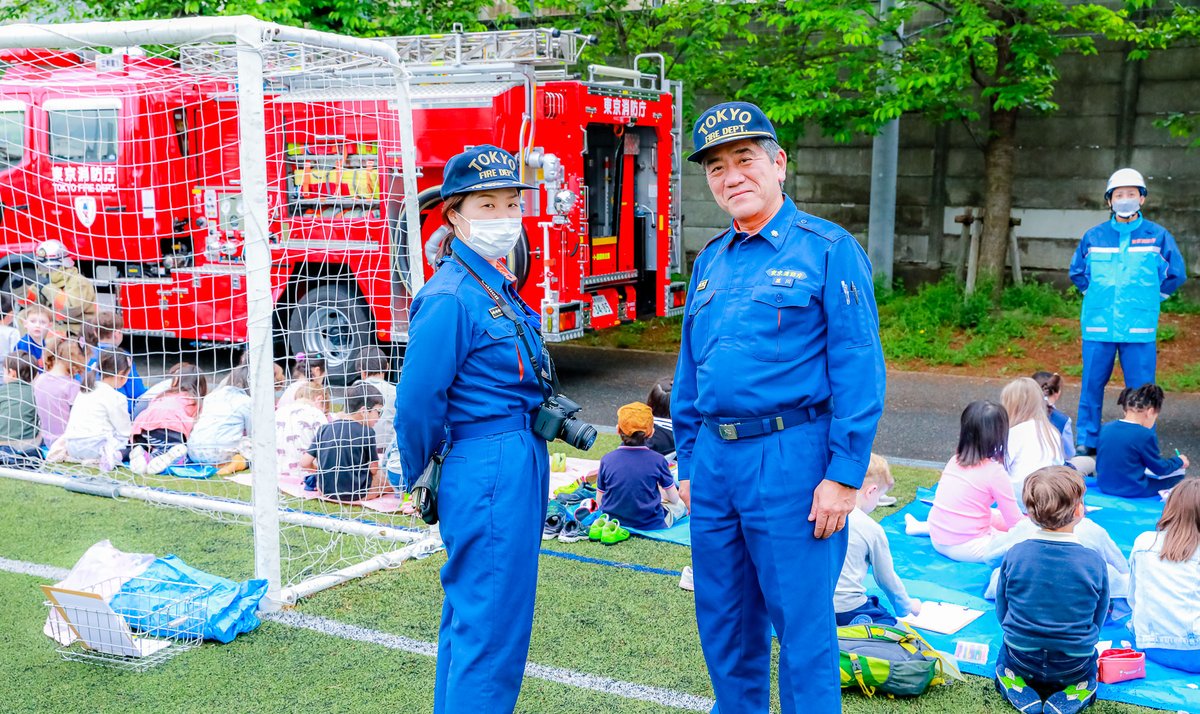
{"points": [[630, 477], [1128, 460], [106, 335], [37, 322], [1051, 600]]}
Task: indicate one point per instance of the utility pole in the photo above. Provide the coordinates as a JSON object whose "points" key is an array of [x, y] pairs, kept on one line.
{"points": [[885, 151]]}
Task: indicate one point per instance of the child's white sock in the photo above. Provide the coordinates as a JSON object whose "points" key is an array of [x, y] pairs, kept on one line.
{"points": [[914, 527]]}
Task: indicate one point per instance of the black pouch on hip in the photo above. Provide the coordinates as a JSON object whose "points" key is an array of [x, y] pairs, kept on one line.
{"points": [[425, 490]]}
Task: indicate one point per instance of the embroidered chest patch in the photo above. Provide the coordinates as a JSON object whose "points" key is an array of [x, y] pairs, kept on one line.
{"points": [[793, 274], [495, 312]]}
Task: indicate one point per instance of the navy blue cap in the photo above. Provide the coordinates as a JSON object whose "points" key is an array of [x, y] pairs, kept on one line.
{"points": [[728, 122], [481, 168]]}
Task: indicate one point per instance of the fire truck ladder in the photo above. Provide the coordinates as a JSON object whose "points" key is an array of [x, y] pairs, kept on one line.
{"points": [[539, 47]]}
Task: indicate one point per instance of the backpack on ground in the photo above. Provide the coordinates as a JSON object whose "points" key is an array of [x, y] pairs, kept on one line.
{"points": [[895, 661]]}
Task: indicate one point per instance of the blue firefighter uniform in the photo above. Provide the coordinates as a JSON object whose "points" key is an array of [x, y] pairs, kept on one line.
{"points": [[468, 378], [779, 385], [1124, 271]]}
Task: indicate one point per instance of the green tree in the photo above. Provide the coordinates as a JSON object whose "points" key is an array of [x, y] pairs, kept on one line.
{"points": [[821, 62]]}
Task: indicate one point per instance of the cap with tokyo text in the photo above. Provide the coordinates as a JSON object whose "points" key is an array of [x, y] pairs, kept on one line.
{"points": [[481, 168], [728, 122]]}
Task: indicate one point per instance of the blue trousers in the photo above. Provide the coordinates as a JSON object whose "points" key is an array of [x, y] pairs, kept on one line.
{"points": [[1185, 660], [491, 504], [1139, 361], [1049, 672], [870, 612], [757, 563]]}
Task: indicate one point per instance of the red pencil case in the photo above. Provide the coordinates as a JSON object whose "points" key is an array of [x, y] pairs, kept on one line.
{"points": [[1121, 665]]}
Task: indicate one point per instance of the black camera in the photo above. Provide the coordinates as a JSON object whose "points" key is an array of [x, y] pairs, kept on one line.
{"points": [[555, 419]]}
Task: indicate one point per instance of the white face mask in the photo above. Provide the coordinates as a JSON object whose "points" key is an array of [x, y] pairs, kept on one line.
{"points": [[493, 238], [1126, 207]]}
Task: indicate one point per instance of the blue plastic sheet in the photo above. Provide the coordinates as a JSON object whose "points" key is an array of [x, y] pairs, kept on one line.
{"points": [[930, 576], [230, 607], [679, 534]]}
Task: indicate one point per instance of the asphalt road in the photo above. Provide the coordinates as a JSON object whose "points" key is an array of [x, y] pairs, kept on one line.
{"points": [[921, 412]]}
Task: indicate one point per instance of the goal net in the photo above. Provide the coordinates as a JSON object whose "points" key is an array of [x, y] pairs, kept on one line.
{"points": [[203, 277]]}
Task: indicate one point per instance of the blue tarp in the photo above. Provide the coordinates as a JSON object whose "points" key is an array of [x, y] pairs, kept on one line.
{"points": [[679, 534], [931, 576], [229, 608]]}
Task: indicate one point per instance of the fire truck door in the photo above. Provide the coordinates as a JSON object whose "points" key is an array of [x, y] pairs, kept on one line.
{"points": [[609, 175]]}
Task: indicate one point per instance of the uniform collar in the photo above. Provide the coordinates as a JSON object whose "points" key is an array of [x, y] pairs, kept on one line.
{"points": [[486, 271], [777, 228], [1126, 228], [1056, 537]]}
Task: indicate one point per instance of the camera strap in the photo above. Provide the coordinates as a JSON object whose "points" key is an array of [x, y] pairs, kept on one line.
{"points": [[544, 378]]}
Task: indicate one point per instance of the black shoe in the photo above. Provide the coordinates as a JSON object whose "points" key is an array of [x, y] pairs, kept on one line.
{"points": [[1084, 451]]}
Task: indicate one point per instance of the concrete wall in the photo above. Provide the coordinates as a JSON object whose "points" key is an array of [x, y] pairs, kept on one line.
{"points": [[1105, 121]]}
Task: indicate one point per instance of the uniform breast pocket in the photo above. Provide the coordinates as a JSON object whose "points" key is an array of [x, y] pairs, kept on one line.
{"points": [[699, 325], [782, 321], [500, 329]]}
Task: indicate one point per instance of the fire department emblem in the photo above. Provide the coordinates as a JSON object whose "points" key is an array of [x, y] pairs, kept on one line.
{"points": [[85, 209]]}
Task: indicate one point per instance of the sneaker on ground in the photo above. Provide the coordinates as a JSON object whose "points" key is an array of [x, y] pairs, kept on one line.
{"points": [[613, 533], [886, 501], [580, 494], [160, 463], [1071, 700], [572, 532], [571, 487], [554, 526], [685, 579], [137, 459], [1019, 694], [597, 527]]}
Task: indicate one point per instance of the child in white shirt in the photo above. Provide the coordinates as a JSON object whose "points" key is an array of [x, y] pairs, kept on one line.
{"points": [[373, 368], [867, 548], [99, 426], [1033, 442]]}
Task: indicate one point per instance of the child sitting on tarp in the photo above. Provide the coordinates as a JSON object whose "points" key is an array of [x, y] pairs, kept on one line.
{"points": [[343, 453], [20, 429], [634, 484], [1051, 600], [1128, 460], [1164, 583], [868, 548], [161, 431], [107, 334]]}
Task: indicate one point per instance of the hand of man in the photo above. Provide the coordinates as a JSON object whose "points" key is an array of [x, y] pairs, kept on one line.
{"points": [[832, 502]]}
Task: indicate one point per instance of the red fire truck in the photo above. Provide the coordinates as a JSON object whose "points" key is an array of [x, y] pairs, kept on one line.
{"points": [[132, 162]]}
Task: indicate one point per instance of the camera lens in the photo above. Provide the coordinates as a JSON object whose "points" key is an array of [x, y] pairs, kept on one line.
{"points": [[579, 434]]}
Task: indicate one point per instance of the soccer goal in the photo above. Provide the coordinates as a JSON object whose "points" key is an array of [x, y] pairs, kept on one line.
{"points": [[199, 218]]}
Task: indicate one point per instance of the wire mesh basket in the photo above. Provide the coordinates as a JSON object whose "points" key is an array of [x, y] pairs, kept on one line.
{"points": [[130, 624]]}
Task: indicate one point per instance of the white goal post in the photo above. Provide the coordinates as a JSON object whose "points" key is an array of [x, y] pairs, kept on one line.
{"points": [[255, 58]]}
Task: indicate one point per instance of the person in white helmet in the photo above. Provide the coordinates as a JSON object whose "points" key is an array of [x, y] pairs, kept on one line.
{"points": [[67, 293], [1124, 267]]}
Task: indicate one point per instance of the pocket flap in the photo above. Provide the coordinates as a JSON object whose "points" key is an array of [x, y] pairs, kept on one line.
{"points": [[1099, 256], [779, 296], [500, 328], [699, 300]]}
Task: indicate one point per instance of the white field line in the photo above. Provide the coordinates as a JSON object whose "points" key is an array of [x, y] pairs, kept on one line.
{"points": [[334, 628]]}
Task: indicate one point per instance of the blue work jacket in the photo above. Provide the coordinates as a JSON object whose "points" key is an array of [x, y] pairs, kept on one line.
{"points": [[465, 363], [781, 319], [1125, 270]]}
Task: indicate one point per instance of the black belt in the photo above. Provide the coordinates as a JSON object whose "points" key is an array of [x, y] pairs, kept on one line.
{"points": [[748, 428]]}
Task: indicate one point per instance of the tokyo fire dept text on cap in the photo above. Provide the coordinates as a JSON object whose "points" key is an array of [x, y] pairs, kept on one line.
{"points": [[728, 122], [481, 168]]}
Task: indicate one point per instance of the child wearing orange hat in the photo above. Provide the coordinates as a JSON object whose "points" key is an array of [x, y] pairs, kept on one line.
{"points": [[635, 484]]}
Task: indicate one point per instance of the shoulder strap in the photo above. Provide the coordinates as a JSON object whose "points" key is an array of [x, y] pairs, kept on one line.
{"points": [[519, 323]]}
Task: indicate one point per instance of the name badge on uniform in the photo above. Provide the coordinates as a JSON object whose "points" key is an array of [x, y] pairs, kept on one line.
{"points": [[495, 312], [703, 284], [783, 282]]}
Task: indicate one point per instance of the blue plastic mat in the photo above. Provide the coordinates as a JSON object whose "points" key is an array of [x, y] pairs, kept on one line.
{"points": [[931, 576], [679, 534]]}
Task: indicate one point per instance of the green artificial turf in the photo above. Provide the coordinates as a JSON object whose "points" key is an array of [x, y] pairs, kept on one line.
{"points": [[632, 626]]}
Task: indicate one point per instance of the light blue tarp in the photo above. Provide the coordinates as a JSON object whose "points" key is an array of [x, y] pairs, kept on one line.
{"points": [[151, 600], [931, 576], [679, 534]]}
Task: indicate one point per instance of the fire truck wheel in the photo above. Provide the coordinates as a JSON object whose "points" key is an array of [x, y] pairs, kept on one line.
{"points": [[333, 322], [15, 275]]}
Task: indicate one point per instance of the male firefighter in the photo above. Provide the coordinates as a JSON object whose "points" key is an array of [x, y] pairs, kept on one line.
{"points": [[67, 293], [1124, 267], [778, 392]]}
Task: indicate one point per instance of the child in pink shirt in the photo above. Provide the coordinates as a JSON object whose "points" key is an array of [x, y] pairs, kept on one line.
{"points": [[55, 389], [161, 430], [962, 523]]}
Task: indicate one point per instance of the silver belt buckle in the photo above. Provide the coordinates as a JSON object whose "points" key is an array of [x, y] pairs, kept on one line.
{"points": [[728, 432]]}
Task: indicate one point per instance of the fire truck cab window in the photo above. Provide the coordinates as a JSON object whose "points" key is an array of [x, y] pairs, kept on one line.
{"points": [[12, 137], [83, 135]]}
